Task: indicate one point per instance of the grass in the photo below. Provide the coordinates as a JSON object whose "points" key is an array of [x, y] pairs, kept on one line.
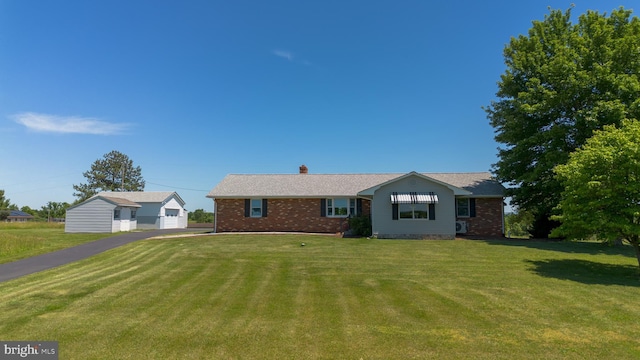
{"points": [[265, 296], [22, 240]]}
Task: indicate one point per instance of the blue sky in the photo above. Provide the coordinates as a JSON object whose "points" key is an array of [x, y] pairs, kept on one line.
{"points": [[194, 90]]}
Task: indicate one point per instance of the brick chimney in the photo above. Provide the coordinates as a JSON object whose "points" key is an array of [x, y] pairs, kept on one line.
{"points": [[304, 169]]}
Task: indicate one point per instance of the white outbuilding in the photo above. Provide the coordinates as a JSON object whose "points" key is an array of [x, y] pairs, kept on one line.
{"points": [[102, 214], [158, 209]]}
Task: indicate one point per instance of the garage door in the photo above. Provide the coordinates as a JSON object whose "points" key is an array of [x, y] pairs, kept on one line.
{"points": [[171, 218]]}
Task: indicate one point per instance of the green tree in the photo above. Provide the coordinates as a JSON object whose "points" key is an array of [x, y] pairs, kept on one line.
{"points": [[114, 172], [601, 195], [562, 82], [5, 204], [54, 210], [29, 210], [201, 216]]}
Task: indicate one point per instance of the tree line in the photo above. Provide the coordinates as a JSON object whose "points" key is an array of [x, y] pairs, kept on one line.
{"points": [[51, 211]]}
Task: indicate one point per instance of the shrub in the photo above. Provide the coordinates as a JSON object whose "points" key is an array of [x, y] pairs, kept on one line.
{"points": [[360, 225]]}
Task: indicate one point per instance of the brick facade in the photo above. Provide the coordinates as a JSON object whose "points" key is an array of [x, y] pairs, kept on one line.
{"points": [[301, 214], [488, 219]]}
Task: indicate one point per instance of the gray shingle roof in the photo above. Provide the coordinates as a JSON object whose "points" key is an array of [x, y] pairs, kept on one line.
{"points": [[119, 201], [142, 196], [338, 185]]}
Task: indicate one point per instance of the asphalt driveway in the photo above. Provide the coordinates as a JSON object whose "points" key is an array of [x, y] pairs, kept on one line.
{"points": [[47, 261]]}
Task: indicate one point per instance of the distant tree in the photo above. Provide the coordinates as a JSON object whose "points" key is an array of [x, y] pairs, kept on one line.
{"points": [[54, 210], [562, 82], [602, 196], [5, 204], [29, 210], [518, 224], [201, 216], [114, 172]]}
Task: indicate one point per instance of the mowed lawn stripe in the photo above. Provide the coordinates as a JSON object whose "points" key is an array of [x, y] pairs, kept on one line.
{"points": [[260, 296]]}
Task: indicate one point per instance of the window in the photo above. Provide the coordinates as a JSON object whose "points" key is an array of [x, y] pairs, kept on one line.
{"points": [[116, 214], [413, 211], [466, 207], [256, 207], [171, 212], [339, 207], [462, 207], [133, 214]]}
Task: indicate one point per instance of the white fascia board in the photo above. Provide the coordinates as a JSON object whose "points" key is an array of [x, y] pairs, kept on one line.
{"points": [[456, 190]]}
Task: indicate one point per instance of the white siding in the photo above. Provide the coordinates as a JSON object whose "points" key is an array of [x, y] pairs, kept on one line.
{"points": [[125, 223], [183, 219], [95, 216], [174, 215], [382, 218]]}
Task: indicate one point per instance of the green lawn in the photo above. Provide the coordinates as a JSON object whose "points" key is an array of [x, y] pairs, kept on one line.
{"points": [[22, 240], [267, 297]]}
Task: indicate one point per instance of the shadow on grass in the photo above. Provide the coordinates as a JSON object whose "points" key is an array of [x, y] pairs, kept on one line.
{"points": [[587, 272], [572, 247]]}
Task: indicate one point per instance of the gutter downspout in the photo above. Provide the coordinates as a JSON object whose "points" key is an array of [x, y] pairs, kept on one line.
{"points": [[503, 225], [215, 217]]}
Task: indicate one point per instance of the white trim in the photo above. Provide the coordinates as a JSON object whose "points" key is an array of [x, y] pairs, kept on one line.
{"points": [[456, 190], [332, 200]]}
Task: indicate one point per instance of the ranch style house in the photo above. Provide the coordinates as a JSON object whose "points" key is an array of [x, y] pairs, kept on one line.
{"points": [[18, 216], [412, 205]]}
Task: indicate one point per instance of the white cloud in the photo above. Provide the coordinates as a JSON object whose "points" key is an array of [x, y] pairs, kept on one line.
{"points": [[283, 54], [68, 124]]}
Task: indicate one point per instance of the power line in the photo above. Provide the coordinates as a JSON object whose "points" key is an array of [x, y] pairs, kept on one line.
{"points": [[175, 187]]}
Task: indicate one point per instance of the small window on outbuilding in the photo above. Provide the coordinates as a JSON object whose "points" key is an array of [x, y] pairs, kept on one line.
{"points": [[116, 214]]}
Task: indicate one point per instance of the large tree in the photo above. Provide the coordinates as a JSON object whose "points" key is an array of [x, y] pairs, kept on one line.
{"points": [[563, 81], [601, 196], [114, 172]]}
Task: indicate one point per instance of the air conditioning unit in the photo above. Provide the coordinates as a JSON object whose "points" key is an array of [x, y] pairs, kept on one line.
{"points": [[461, 227]]}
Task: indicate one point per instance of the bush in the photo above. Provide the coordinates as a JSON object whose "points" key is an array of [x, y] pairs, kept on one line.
{"points": [[360, 225]]}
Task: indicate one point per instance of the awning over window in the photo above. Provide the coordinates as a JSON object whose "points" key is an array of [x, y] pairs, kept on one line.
{"points": [[414, 198]]}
